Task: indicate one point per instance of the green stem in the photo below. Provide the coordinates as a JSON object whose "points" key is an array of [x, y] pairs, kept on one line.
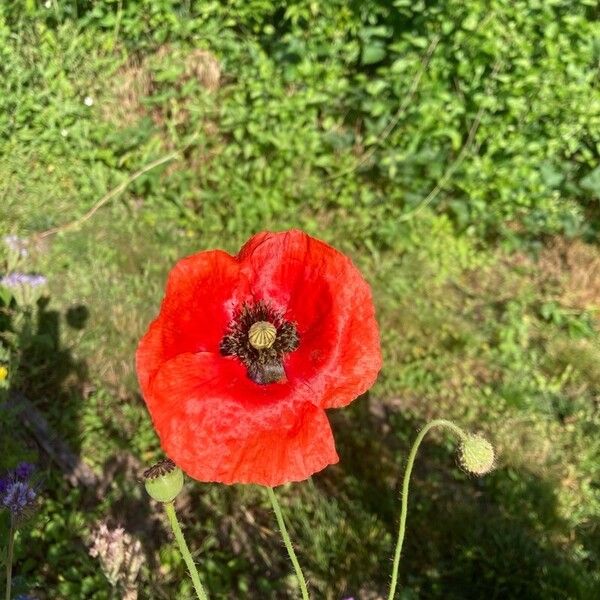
{"points": [[9, 557], [405, 487], [185, 551], [288, 542]]}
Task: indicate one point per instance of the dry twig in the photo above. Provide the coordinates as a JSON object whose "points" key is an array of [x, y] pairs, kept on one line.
{"points": [[107, 197]]}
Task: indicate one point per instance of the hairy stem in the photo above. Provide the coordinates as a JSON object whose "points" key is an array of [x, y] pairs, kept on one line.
{"points": [[288, 543], [185, 551], [405, 488], [9, 557]]}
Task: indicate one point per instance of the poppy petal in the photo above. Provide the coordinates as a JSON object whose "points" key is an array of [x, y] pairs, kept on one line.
{"points": [[320, 289], [202, 293], [200, 298], [149, 356], [219, 426]]}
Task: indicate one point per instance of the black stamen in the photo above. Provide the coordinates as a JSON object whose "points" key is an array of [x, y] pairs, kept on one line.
{"points": [[264, 365]]}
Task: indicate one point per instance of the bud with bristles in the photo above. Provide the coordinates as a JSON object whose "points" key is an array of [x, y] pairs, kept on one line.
{"points": [[476, 455], [164, 481]]}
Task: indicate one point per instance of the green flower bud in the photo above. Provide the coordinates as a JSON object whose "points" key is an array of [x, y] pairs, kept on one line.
{"points": [[164, 481], [476, 455]]}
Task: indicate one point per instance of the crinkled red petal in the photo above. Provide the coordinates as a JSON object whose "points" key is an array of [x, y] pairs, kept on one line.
{"points": [[201, 296], [217, 425], [320, 289]]}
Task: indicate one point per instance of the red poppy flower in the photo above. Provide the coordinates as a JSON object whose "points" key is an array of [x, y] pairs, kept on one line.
{"points": [[247, 352]]}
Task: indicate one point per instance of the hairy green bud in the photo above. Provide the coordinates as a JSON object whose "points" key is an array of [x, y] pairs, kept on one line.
{"points": [[164, 481], [476, 455]]}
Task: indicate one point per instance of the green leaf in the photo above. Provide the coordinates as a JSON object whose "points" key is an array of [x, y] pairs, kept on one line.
{"points": [[5, 296], [591, 182], [373, 53]]}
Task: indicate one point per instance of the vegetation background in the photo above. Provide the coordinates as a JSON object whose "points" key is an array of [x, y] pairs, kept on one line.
{"points": [[450, 147]]}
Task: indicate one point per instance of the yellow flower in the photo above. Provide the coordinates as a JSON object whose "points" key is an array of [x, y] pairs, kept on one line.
{"points": [[3, 373]]}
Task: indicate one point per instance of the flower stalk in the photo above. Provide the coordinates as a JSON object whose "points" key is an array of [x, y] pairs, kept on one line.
{"points": [[163, 482], [185, 551], [288, 542], [19, 498], [9, 557], [469, 445]]}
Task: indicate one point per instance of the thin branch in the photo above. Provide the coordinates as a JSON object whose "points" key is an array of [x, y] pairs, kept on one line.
{"points": [[77, 472], [107, 197]]}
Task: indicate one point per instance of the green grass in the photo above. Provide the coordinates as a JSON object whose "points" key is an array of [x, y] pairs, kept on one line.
{"points": [[476, 324]]}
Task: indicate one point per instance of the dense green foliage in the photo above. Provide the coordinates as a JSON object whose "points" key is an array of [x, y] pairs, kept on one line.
{"points": [[451, 148]]}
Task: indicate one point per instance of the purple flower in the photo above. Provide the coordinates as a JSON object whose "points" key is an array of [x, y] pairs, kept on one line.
{"points": [[24, 470], [16, 494], [16, 244], [18, 497], [22, 279]]}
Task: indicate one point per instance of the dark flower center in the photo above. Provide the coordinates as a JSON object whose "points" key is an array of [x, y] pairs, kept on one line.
{"points": [[260, 337]]}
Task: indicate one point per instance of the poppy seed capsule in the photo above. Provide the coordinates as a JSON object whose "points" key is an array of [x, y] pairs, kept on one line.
{"points": [[477, 455], [164, 481], [262, 335]]}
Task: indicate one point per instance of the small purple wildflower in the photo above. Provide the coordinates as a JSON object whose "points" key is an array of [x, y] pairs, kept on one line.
{"points": [[23, 471], [16, 244], [16, 494], [22, 279], [18, 497]]}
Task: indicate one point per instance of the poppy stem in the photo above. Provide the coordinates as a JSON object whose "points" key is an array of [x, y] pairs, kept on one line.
{"points": [[185, 551], [405, 488], [288, 542]]}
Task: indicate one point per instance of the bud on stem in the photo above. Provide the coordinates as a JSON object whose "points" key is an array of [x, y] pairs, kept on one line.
{"points": [[476, 456], [163, 482]]}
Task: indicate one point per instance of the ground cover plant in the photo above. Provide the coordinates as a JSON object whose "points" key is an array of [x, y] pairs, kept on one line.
{"points": [[449, 148]]}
